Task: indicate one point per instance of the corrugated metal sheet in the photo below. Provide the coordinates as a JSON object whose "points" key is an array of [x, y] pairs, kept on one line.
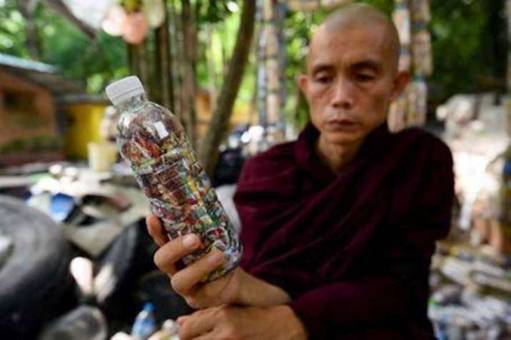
{"points": [[41, 74], [11, 61]]}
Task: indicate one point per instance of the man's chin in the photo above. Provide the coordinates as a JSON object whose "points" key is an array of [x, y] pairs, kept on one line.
{"points": [[343, 138]]}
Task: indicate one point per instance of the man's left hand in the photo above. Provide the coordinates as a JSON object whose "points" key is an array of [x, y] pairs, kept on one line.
{"points": [[229, 322]]}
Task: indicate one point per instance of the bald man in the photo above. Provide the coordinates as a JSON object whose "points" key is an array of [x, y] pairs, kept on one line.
{"points": [[338, 227]]}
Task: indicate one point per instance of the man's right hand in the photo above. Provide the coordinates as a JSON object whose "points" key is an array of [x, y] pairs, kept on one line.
{"points": [[236, 287], [187, 281]]}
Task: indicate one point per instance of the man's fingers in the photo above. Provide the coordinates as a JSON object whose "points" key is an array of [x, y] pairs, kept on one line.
{"points": [[182, 319], [208, 336], [172, 251], [156, 230], [186, 279], [198, 324]]}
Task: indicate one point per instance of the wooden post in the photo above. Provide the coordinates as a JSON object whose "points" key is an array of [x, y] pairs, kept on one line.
{"points": [[189, 80], [164, 72]]}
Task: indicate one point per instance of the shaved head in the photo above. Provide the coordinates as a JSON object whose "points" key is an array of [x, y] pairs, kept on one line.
{"points": [[352, 77], [355, 17]]}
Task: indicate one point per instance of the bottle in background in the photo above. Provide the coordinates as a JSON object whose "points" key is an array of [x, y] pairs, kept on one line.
{"points": [[169, 331], [144, 324]]}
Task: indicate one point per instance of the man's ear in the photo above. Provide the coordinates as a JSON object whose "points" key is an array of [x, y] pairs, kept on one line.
{"points": [[400, 82], [303, 83]]}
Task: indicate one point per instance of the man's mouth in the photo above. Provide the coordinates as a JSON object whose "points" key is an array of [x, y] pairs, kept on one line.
{"points": [[342, 124]]}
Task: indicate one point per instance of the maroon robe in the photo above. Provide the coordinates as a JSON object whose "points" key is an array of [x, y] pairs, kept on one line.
{"points": [[352, 249]]}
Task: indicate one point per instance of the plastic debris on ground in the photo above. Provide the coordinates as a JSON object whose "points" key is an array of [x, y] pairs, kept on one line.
{"points": [[471, 271], [471, 294], [91, 208]]}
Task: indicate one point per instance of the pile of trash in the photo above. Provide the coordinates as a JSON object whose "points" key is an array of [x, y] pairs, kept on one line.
{"points": [[76, 261], [471, 294]]}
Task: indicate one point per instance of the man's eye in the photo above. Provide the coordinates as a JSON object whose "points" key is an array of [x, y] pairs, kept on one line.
{"points": [[323, 79], [365, 77]]}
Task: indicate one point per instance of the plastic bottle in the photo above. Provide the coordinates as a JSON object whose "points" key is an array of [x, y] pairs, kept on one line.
{"points": [[169, 331], [153, 142], [144, 324]]}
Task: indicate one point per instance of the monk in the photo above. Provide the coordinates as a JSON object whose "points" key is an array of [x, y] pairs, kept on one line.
{"points": [[338, 227]]}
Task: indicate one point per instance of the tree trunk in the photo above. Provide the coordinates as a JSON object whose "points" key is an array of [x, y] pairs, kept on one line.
{"points": [[27, 9], [138, 64], [220, 121], [175, 56], [177, 40], [131, 59], [189, 60], [212, 75], [141, 50], [163, 64]]}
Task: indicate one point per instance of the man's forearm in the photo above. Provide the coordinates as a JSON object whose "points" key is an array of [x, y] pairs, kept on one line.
{"points": [[285, 318], [256, 292]]}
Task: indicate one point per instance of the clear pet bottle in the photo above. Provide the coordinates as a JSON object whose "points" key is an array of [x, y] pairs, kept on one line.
{"points": [[153, 142]]}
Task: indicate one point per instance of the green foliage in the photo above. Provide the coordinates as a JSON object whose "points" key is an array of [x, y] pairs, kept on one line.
{"points": [[386, 6], [216, 11], [63, 45], [218, 45], [12, 29], [463, 40], [94, 62]]}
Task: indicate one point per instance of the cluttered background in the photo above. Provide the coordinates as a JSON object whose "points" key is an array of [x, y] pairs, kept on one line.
{"points": [[75, 259]]}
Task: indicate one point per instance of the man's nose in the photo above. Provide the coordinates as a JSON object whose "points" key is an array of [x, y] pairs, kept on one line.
{"points": [[343, 95]]}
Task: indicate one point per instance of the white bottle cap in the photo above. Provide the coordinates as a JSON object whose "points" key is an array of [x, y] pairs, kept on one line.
{"points": [[126, 88]]}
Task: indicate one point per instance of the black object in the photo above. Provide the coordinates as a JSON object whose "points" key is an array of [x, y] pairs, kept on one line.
{"points": [[118, 270], [35, 283], [155, 287], [228, 168]]}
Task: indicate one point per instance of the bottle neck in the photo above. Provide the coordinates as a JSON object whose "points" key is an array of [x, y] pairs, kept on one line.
{"points": [[131, 103]]}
